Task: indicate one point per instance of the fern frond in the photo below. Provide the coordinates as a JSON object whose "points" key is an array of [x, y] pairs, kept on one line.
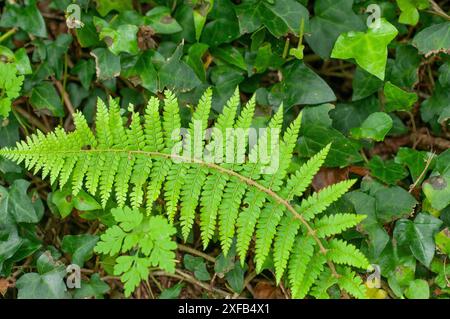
{"points": [[148, 160], [320, 201], [341, 252], [351, 283], [336, 224]]}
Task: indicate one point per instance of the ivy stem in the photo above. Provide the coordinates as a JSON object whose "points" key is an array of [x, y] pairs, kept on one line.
{"points": [[6, 35]]}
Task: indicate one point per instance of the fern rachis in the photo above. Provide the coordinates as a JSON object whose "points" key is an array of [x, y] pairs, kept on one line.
{"points": [[138, 162]]}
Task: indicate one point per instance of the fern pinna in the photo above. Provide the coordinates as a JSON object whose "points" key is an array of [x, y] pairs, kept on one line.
{"points": [[237, 199]]}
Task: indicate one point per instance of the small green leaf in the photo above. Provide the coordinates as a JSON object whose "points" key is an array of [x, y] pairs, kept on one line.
{"points": [[437, 190], [418, 289], [198, 266], [374, 127], [398, 99], [80, 247], [105, 6], [107, 64], [369, 49], [433, 39], [160, 20], [45, 98]]}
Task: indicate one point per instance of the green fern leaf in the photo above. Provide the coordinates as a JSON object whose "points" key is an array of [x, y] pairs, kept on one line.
{"points": [[341, 252]]}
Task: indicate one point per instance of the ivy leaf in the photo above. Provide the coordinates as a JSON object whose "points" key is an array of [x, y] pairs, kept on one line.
{"points": [[419, 236], [279, 17], [418, 289], [107, 65], [414, 160], [398, 99], [223, 27], [393, 203], [49, 285], [404, 70], [331, 19], [410, 10], [389, 172], [95, 287], [45, 98], [105, 6], [80, 247], [143, 72], [20, 205], [369, 49], [160, 20], [433, 39], [176, 74], [120, 39], [313, 89], [197, 266], [85, 70], [364, 84], [230, 55], [27, 17], [374, 127], [172, 292], [437, 190], [315, 137]]}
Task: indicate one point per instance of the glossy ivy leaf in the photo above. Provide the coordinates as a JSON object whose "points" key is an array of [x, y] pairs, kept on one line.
{"points": [[418, 235], [403, 71], [122, 38], [85, 70], [369, 49], [433, 39], [442, 240], [315, 137], [398, 99], [349, 115], [410, 10], [80, 247], [176, 74], [437, 190], [437, 105], [160, 20], [18, 206], [223, 27], [198, 266], [45, 98], [389, 171], [194, 59], [364, 84], [50, 285], [313, 89], [416, 161], [374, 127], [94, 288], [172, 292], [236, 277], [26, 17], [47, 283], [143, 71], [444, 74], [225, 80], [279, 17], [230, 55], [331, 18], [105, 6], [107, 65], [418, 289], [393, 203]]}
